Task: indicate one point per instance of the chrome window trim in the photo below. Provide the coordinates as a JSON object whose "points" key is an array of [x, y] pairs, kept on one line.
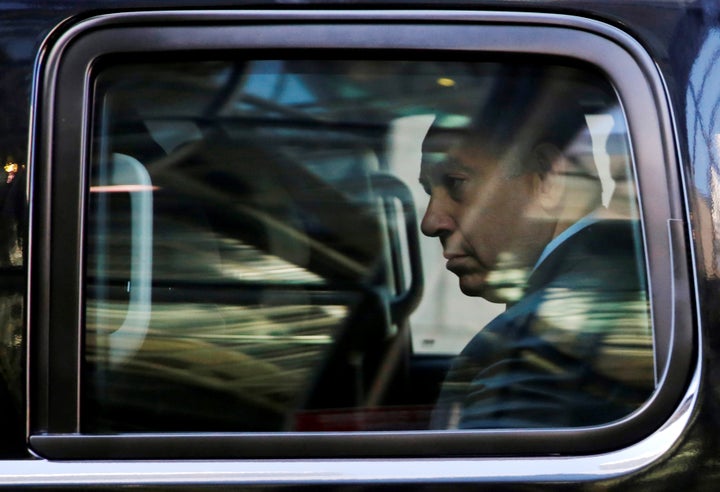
{"points": [[359, 471]]}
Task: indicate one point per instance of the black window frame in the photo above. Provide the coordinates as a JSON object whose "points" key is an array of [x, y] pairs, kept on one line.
{"points": [[59, 167]]}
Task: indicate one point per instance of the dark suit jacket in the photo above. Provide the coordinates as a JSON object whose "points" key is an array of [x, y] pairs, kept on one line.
{"points": [[576, 349]]}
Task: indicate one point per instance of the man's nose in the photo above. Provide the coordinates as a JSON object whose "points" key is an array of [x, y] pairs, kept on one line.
{"points": [[437, 221]]}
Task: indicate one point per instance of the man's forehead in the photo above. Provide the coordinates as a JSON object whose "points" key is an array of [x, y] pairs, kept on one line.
{"points": [[470, 158]]}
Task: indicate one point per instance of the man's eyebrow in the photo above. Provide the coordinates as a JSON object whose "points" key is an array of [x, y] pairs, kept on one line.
{"points": [[432, 171], [451, 163]]}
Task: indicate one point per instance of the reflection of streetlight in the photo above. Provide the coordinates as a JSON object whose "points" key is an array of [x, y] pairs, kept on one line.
{"points": [[11, 168], [446, 82]]}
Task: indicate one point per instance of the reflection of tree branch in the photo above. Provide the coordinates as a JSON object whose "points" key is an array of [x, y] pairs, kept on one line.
{"points": [[188, 374], [217, 348], [157, 166], [278, 108], [202, 191], [224, 94]]}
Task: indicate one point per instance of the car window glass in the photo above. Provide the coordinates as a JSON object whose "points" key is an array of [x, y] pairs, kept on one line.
{"points": [[260, 232]]}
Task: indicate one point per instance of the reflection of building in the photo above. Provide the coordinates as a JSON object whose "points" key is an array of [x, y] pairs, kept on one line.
{"points": [[704, 147]]}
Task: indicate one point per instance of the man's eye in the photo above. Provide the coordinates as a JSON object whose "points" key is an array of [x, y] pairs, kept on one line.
{"points": [[453, 183]]}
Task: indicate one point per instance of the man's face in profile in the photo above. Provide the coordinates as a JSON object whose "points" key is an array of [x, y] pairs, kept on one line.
{"points": [[491, 223]]}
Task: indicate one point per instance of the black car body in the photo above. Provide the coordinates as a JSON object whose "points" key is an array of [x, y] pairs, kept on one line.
{"points": [[80, 77]]}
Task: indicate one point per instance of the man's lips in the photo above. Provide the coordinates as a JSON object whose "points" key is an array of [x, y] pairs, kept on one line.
{"points": [[460, 263], [449, 255]]}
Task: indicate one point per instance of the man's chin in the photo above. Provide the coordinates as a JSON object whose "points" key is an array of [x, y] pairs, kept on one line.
{"points": [[495, 293], [472, 286]]}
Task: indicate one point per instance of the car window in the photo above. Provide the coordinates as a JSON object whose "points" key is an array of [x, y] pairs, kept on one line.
{"points": [[327, 244]]}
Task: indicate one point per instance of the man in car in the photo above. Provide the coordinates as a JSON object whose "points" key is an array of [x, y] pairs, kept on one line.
{"points": [[520, 215]]}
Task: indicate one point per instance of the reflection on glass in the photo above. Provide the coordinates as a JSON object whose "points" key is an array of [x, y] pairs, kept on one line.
{"points": [[253, 362], [278, 269]]}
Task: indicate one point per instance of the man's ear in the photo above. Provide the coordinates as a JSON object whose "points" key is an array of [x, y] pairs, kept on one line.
{"points": [[551, 176]]}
